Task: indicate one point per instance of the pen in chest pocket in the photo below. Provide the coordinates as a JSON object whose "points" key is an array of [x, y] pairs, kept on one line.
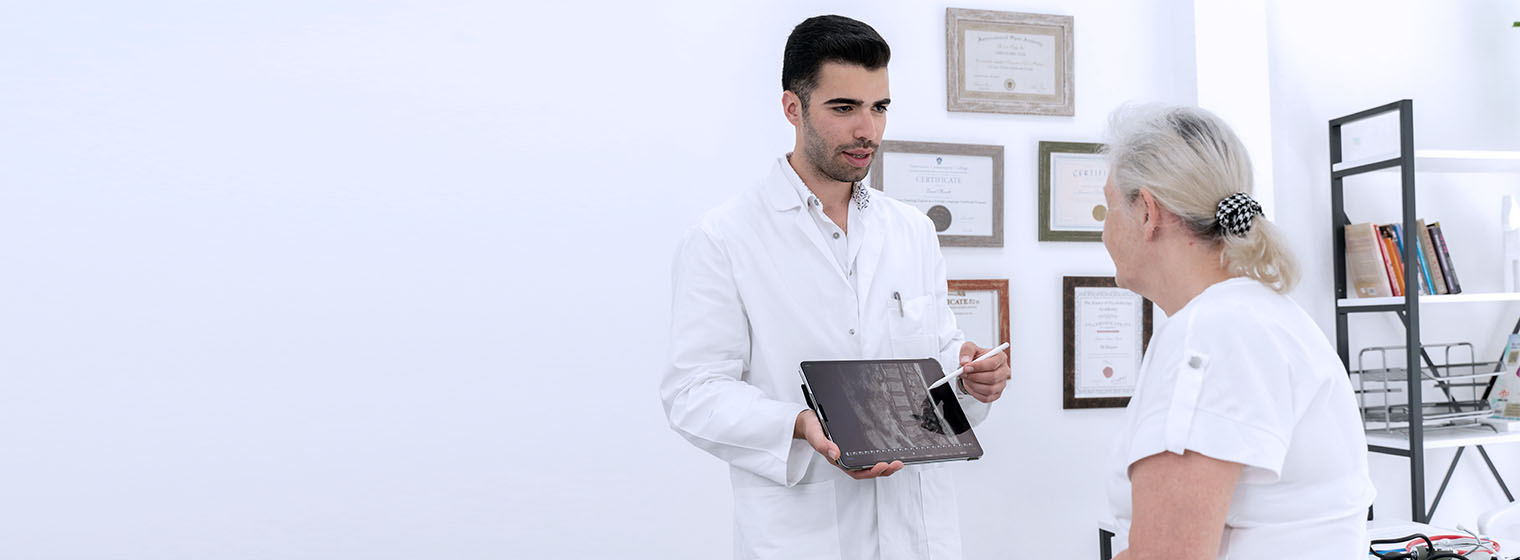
{"points": [[898, 296]]}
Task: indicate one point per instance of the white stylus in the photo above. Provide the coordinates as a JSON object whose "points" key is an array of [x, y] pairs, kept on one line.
{"points": [[958, 372]]}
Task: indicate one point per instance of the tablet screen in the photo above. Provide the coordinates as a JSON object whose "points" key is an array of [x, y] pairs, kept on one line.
{"points": [[881, 411]]}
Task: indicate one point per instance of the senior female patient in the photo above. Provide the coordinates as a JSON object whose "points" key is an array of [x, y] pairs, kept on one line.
{"points": [[1242, 439]]}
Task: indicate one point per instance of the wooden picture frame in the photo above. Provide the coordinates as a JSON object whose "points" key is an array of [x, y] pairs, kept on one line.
{"points": [[966, 300], [1084, 389], [1071, 177], [959, 186], [1009, 62]]}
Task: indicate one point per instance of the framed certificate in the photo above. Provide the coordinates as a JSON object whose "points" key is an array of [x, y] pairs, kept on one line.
{"points": [[1072, 207], [1106, 330], [959, 186], [1009, 62], [981, 310]]}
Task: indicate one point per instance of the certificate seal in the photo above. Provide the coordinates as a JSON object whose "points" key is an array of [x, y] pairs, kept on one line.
{"points": [[940, 216], [1100, 212], [1008, 84]]}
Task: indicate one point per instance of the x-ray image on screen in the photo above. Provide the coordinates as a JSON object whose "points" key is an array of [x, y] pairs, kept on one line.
{"points": [[882, 410], [893, 396]]}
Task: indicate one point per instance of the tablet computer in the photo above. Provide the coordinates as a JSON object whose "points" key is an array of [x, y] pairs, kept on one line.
{"points": [[879, 411]]}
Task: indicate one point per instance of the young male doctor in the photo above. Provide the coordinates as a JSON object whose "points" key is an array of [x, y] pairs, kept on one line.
{"points": [[811, 265]]}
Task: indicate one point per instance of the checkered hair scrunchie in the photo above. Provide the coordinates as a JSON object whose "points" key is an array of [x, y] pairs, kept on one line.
{"points": [[1235, 214]]}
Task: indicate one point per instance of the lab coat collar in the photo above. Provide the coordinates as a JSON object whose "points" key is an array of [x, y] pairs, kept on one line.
{"points": [[782, 190], [799, 193]]}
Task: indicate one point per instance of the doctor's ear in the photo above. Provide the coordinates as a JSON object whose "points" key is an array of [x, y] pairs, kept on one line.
{"points": [[791, 106]]}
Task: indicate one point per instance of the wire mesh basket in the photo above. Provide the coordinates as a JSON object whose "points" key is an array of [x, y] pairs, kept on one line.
{"points": [[1452, 384]]}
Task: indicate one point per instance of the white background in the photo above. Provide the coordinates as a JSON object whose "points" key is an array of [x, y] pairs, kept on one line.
{"points": [[1458, 62], [390, 279]]}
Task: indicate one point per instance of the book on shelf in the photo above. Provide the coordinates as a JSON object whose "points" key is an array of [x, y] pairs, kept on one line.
{"points": [[1503, 423], [1438, 240], [1421, 272], [1391, 256], [1366, 270], [1428, 262], [1398, 241], [1375, 265]]}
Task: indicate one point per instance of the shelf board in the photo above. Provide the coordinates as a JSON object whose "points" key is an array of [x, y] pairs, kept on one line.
{"points": [[1456, 298], [1441, 438], [1447, 161]]}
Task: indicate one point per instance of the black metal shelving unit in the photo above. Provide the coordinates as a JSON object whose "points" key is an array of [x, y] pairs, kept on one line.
{"points": [[1407, 310]]}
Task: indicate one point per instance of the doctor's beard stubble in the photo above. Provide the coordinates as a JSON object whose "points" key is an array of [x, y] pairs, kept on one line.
{"points": [[822, 158]]}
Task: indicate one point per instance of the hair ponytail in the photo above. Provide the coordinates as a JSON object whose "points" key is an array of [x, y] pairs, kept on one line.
{"points": [[1261, 254]]}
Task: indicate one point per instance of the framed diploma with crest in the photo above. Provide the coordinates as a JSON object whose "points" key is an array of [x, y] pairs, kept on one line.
{"points": [[1009, 62], [1106, 330], [959, 186]]}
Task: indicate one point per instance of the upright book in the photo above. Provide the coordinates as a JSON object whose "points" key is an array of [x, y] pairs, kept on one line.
{"points": [[1366, 270], [1430, 263], [1393, 259], [1442, 255], [1421, 276]]}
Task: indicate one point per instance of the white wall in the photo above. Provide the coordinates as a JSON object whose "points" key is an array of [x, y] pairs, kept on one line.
{"points": [[1231, 53], [1458, 62], [718, 127], [389, 280]]}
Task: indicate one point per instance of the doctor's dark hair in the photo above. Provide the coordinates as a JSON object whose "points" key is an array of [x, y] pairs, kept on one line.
{"points": [[829, 38], [1190, 161]]}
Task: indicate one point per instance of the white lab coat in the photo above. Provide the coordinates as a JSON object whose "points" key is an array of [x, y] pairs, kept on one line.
{"points": [[756, 292]]}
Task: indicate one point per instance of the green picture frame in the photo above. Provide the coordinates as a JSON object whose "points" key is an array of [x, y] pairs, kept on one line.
{"points": [[1068, 190]]}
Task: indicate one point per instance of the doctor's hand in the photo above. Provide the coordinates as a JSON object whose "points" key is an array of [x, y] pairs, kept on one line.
{"points": [[807, 427], [986, 379]]}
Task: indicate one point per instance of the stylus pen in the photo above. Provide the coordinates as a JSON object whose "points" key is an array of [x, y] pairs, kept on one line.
{"points": [[958, 372]]}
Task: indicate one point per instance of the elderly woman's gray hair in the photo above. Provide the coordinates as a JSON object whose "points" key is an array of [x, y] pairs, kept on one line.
{"points": [[1195, 167]]}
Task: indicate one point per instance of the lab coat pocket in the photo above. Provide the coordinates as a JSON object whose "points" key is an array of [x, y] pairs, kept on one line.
{"points": [[780, 522], [911, 322]]}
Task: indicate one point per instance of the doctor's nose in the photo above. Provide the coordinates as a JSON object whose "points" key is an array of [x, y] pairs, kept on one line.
{"points": [[868, 126]]}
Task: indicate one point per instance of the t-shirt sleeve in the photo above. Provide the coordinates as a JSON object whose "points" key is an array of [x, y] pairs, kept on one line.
{"points": [[1226, 395]]}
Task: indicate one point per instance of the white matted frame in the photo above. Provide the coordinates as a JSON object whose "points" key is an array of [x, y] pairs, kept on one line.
{"points": [[959, 186], [1009, 62], [1101, 352], [1072, 207]]}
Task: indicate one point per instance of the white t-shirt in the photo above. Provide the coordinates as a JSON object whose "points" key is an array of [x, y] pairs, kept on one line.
{"points": [[1241, 374]]}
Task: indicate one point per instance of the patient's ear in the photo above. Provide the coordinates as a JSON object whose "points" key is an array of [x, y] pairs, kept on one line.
{"points": [[1150, 220]]}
